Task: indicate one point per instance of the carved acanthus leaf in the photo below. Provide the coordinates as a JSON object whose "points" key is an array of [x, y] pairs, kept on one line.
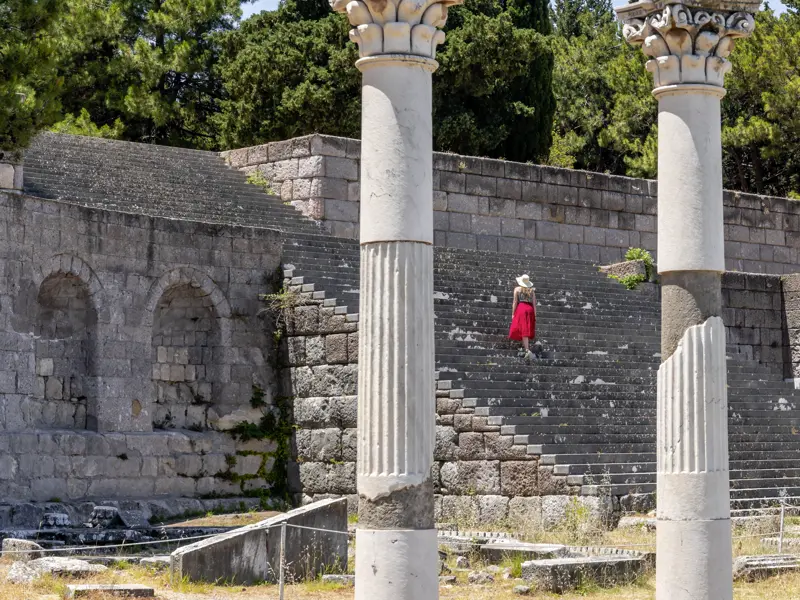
{"points": [[396, 26], [686, 44]]}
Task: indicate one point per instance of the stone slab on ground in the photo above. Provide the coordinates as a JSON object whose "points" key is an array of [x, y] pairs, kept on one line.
{"points": [[645, 523], [349, 580], [158, 563], [496, 551], [793, 542], [251, 554], [24, 550], [753, 568], [126, 590], [67, 567], [563, 574], [21, 573]]}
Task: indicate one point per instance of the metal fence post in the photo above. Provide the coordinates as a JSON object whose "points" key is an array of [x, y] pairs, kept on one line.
{"points": [[780, 535], [282, 559]]}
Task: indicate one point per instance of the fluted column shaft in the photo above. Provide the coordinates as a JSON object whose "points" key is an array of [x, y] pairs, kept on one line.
{"points": [[396, 550], [396, 546], [688, 46]]}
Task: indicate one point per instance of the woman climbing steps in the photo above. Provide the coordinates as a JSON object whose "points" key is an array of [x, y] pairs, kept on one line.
{"points": [[523, 322]]}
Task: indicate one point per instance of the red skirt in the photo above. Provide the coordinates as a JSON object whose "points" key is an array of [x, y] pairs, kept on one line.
{"points": [[524, 322]]}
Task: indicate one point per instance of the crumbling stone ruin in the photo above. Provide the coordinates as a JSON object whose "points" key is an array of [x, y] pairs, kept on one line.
{"points": [[133, 337]]}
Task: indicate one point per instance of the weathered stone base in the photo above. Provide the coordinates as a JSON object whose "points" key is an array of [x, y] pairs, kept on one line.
{"points": [[563, 574], [251, 554], [528, 513], [29, 515], [73, 466]]}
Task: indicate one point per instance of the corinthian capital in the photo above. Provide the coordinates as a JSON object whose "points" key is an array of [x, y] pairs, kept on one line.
{"points": [[687, 43], [396, 26]]}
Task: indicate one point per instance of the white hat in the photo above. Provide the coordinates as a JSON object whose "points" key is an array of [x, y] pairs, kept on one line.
{"points": [[524, 281]]}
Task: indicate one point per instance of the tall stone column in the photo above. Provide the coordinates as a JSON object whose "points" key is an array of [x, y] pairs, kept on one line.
{"points": [[396, 546], [688, 46]]}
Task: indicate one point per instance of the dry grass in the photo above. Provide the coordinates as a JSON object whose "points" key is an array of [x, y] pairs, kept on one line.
{"points": [[786, 587]]}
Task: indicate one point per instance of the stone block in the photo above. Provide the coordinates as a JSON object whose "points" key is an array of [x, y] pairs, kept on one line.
{"points": [[481, 186], [462, 203], [509, 188], [328, 145], [492, 510], [486, 225], [452, 182], [470, 446], [519, 478], [464, 510], [460, 222], [446, 447], [561, 575], [319, 445], [250, 554], [471, 477], [336, 348], [513, 228], [315, 350], [341, 210], [90, 590]]}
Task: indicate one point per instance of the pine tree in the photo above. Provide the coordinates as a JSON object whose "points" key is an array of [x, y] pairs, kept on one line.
{"points": [[148, 63], [29, 87]]}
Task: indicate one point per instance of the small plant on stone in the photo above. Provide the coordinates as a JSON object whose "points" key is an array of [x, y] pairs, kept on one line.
{"points": [[282, 305], [645, 257], [631, 282], [258, 399], [257, 178]]}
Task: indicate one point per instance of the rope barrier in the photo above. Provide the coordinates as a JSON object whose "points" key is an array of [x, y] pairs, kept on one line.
{"points": [[111, 546]]}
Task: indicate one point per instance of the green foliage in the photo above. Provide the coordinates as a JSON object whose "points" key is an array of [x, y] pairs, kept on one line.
{"points": [[29, 85], [275, 426], [257, 399], [605, 114], [281, 305], [83, 125], [630, 282], [645, 257], [148, 63], [487, 61], [286, 77], [257, 178], [761, 113], [292, 72]]}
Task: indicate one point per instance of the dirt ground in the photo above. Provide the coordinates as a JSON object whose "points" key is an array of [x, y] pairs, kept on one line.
{"points": [[746, 542], [778, 588]]}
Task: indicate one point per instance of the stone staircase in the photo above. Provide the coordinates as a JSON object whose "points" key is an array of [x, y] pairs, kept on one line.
{"points": [[587, 409], [160, 181]]}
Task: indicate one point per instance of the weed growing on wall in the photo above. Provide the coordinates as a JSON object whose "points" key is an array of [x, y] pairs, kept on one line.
{"points": [[275, 426], [257, 178], [631, 282], [645, 257]]}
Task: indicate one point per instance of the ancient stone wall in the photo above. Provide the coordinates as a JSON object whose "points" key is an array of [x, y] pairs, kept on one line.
{"points": [[116, 329], [496, 205], [753, 315], [320, 375]]}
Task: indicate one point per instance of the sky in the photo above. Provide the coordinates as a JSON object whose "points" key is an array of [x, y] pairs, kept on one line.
{"points": [[248, 9]]}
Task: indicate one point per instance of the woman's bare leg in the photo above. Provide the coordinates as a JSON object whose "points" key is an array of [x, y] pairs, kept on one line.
{"points": [[525, 343]]}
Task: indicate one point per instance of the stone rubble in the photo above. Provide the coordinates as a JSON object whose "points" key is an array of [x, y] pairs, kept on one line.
{"points": [[480, 578], [348, 580], [21, 550], [127, 590], [753, 568]]}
